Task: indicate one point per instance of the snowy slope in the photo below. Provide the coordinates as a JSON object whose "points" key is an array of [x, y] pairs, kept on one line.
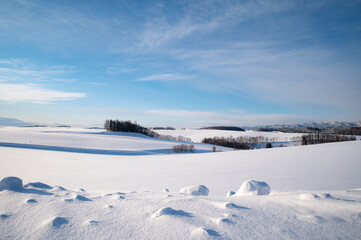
{"points": [[198, 135], [123, 196], [89, 141]]}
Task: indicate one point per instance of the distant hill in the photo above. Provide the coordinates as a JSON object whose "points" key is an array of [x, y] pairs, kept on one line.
{"points": [[227, 128], [319, 125], [13, 122]]}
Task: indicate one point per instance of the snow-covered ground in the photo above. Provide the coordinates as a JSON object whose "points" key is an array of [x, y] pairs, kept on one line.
{"points": [[197, 135], [95, 141], [137, 196]]}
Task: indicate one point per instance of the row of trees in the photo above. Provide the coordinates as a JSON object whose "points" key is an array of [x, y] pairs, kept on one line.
{"points": [[244, 142], [125, 126], [129, 126], [227, 142], [349, 131], [316, 138], [183, 148]]}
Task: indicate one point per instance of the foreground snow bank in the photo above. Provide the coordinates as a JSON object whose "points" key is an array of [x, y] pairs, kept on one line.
{"points": [[253, 188], [41, 211]]}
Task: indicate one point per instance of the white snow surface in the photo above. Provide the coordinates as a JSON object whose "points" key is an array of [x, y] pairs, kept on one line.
{"points": [[94, 141], [315, 190]]}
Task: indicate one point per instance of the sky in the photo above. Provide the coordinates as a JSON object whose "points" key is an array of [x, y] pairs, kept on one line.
{"points": [[180, 63]]}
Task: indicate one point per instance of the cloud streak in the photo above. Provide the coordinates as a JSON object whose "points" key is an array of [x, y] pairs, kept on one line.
{"points": [[236, 117], [165, 77], [13, 93]]}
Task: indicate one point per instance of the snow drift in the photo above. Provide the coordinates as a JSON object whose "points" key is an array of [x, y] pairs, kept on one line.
{"points": [[197, 190], [253, 188]]}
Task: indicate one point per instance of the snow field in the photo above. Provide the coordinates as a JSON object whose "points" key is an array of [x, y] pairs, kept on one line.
{"points": [[93, 141], [156, 215], [305, 192], [197, 135]]}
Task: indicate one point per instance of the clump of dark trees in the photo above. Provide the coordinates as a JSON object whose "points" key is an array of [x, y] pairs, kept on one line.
{"points": [[269, 145], [163, 128], [241, 142], [349, 131], [231, 142], [182, 148], [227, 128], [301, 130], [128, 126], [340, 131], [316, 138], [267, 129]]}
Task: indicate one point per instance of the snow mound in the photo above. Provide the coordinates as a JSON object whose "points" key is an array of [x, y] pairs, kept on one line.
{"points": [[325, 196], [3, 216], [31, 200], [224, 220], [11, 183], [170, 211], [58, 221], [196, 190], [92, 223], [82, 198], [59, 188], [230, 205], [37, 185], [230, 193], [203, 233], [308, 196], [253, 188], [311, 196]]}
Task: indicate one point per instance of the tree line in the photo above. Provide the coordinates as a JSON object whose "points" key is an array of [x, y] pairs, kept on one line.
{"points": [[230, 142], [128, 126], [316, 138], [349, 131]]}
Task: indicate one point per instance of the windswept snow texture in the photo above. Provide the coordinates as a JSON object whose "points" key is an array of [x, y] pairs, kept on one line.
{"points": [[151, 215], [315, 191]]}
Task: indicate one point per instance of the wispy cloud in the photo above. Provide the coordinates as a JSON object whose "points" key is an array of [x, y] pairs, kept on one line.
{"points": [[13, 93], [181, 113], [200, 18], [21, 70], [165, 77], [305, 75]]}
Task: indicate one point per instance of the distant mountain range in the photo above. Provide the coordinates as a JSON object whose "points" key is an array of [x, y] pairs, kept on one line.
{"points": [[14, 122], [320, 125]]}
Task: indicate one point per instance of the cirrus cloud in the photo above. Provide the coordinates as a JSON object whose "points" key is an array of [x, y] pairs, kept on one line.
{"points": [[13, 93], [165, 77]]}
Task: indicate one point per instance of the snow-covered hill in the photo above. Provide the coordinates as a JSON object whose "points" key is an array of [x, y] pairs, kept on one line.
{"points": [[96, 141], [314, 191]]}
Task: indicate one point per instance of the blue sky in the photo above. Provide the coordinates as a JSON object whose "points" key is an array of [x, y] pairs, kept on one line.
{"points": [[180, 63]]}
